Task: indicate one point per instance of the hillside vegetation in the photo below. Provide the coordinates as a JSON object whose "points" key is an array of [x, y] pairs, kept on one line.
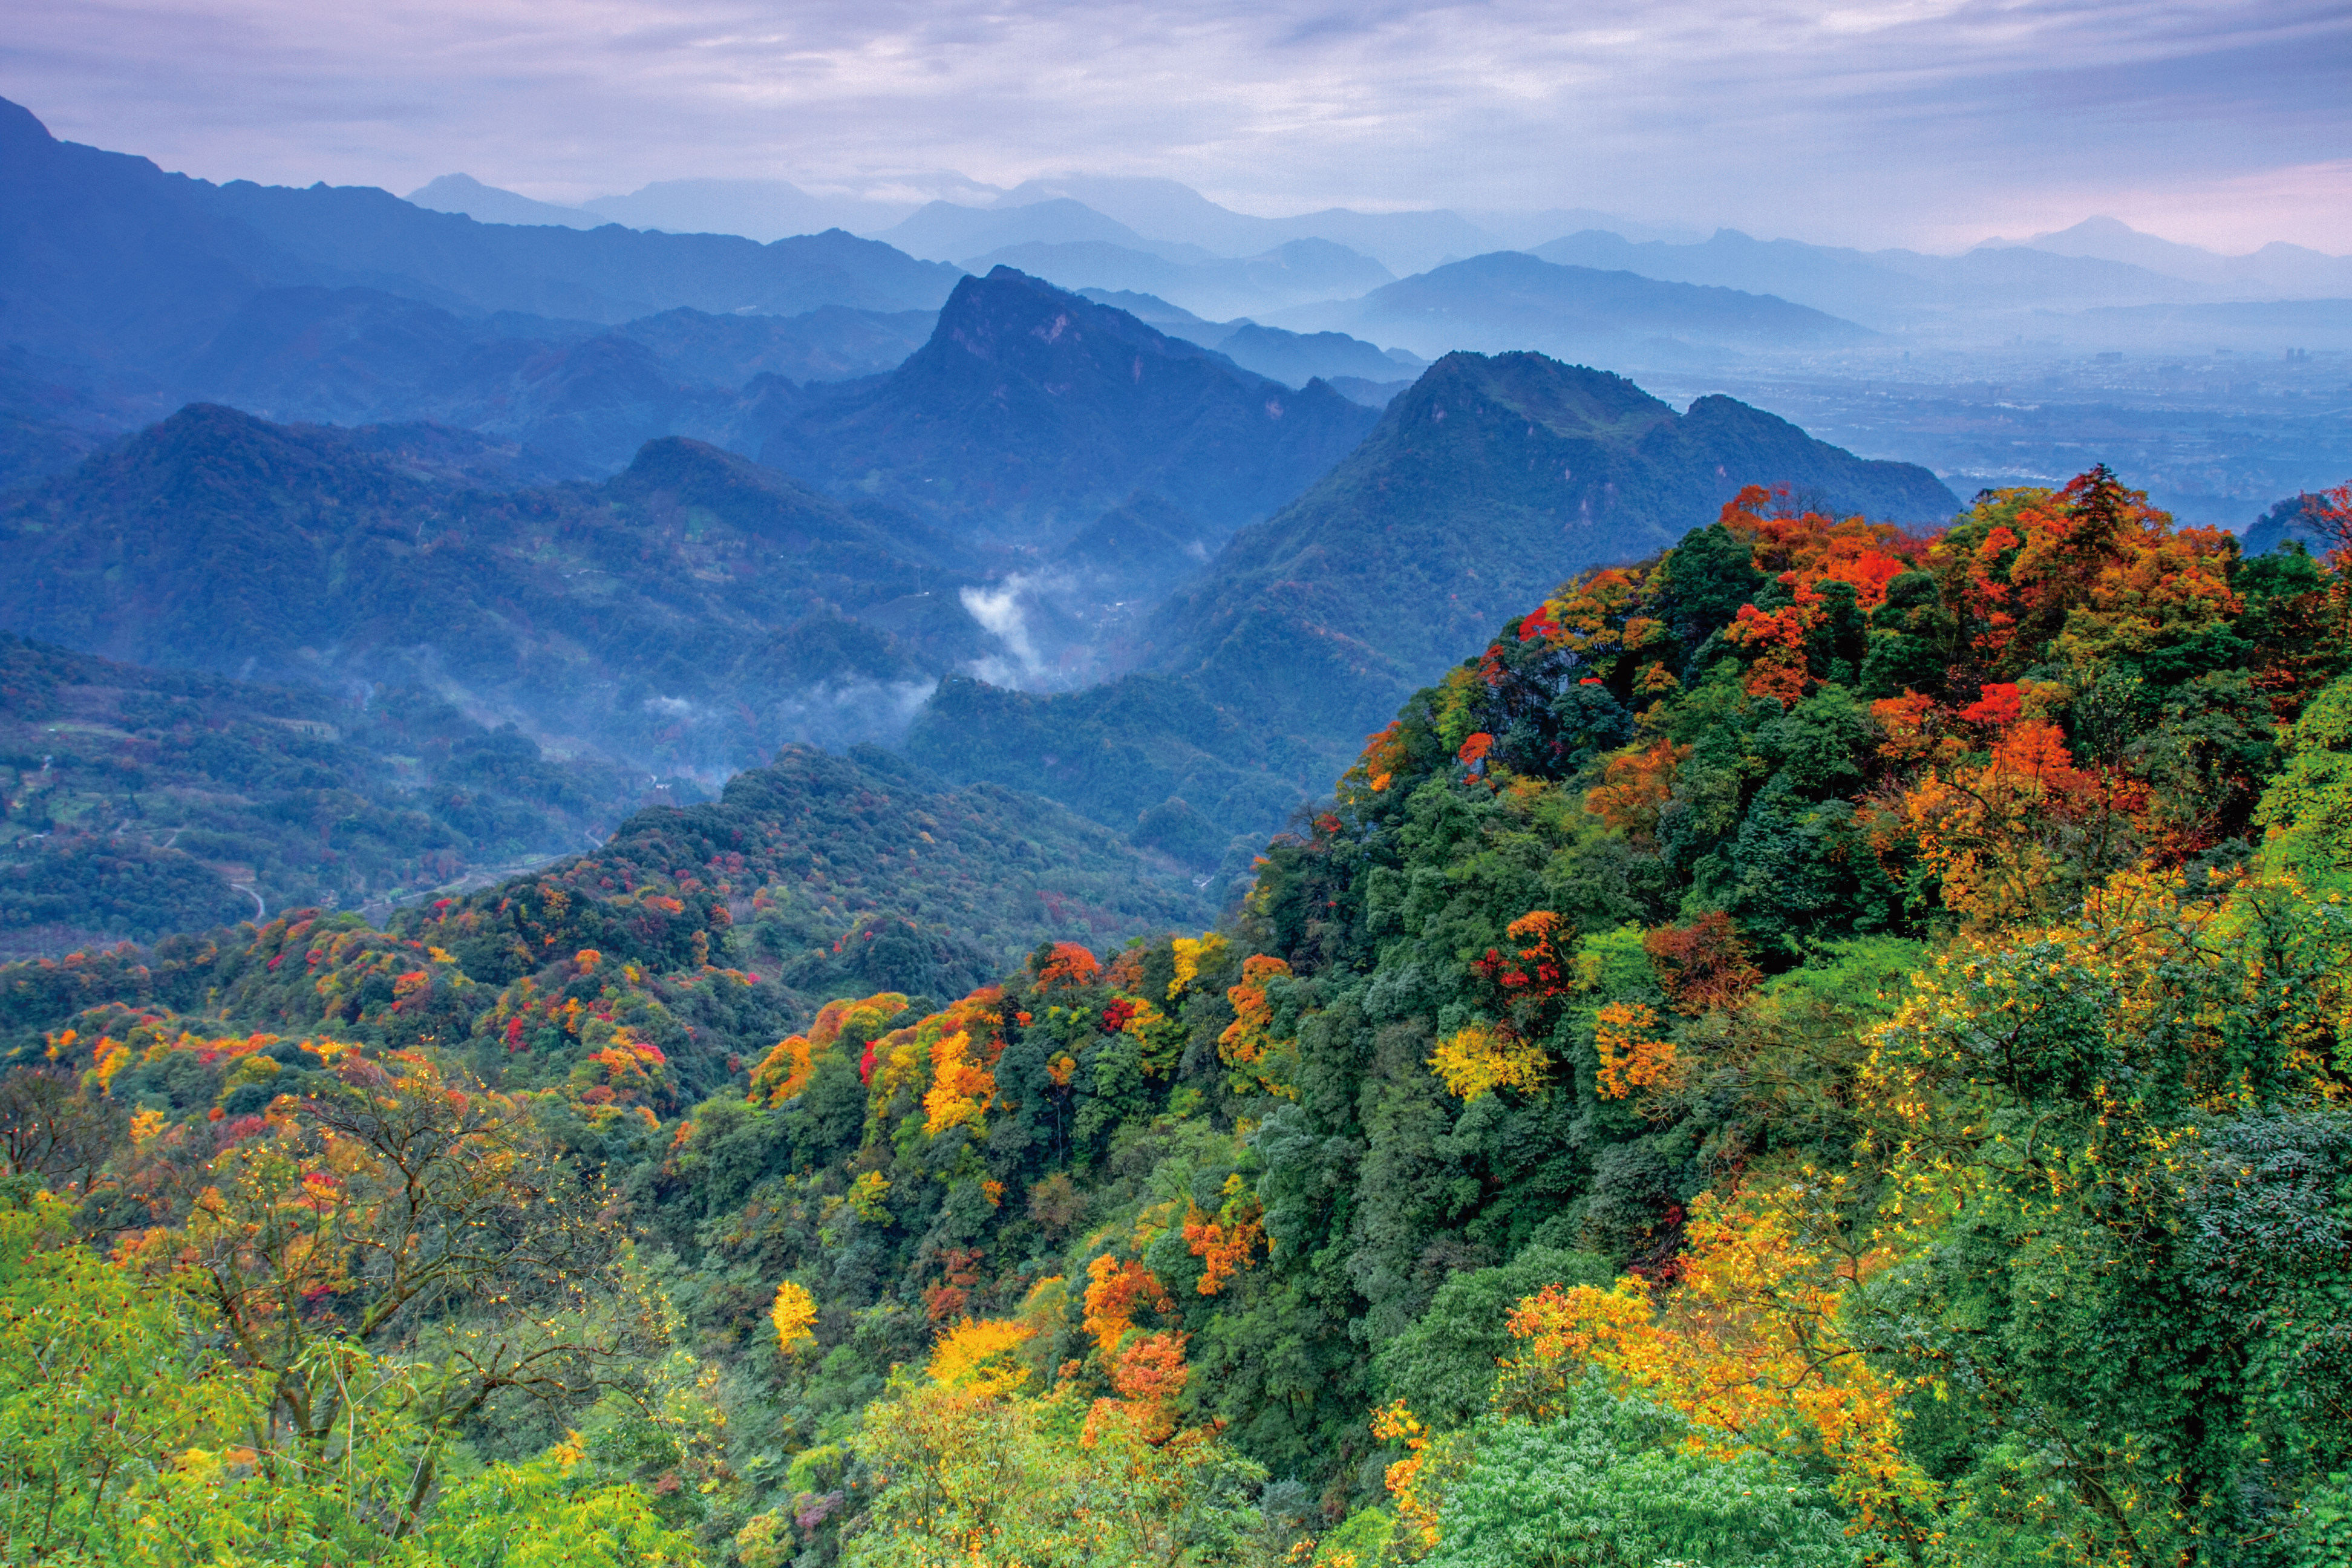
{"points": [[143, 801], [1822, 1047]]}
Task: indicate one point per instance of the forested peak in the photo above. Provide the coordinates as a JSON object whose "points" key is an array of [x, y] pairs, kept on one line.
{"points": [[698, 474], [221, 451], [683, 463], [1564, 399], [1826, 728]]}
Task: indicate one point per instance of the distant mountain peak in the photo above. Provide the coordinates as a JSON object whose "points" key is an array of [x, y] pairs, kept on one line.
{"points": [[998, 316], [488, 203], [1032, 411], [2098, 226]]}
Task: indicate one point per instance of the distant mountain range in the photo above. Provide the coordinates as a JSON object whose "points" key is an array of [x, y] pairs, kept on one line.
{"points": [[2099, 264], [1163, 218], [2277, 269], [1511, 299], [576, 399], [129, 291], [125, 292], [1297, 272], [119, 266]]}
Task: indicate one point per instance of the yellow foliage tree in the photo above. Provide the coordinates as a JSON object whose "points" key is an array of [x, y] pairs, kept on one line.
{"points": [[1753, 1343], [979, 1354], [794, 1315], [1480, 1059], [960, 1087]]}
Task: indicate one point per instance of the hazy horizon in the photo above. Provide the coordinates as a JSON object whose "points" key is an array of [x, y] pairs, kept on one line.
{"points": [[1935, 124]]}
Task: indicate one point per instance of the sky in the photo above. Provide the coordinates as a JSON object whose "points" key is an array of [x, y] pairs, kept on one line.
{"points": [[1933, 124]]}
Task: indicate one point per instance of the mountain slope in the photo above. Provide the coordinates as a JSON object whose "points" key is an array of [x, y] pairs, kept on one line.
{"points": [[1031, 412], [582, 398], [1480, 487], [141, 802], [1490, 480], [691, 608]]}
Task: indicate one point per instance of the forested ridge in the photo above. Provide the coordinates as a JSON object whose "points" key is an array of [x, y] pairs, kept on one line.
{"points": [[1826, 1046]]}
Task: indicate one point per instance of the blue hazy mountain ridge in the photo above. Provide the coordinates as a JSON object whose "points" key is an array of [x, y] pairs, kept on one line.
{"points": [[1296, 358], [763, 210], [1167, 210], [110, 265], [1478, 490], [1031, 412], [488, 203], [1511, 299], [363, 236], [1891, 289], [2290, 522], [1348, 365], [689, 615], [1298, 271], [948, 231], [2277, 269], [1484, 485], [579, 398]]}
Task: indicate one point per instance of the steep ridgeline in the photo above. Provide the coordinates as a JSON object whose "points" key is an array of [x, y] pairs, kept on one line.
{"points": [[640, 617], [1485, 483], [1031, 412], [141, 802], [143, 290], [1480, 487], [115, 263]]}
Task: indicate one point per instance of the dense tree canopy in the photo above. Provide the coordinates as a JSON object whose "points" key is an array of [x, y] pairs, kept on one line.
{"points": [[1826, 1047]]}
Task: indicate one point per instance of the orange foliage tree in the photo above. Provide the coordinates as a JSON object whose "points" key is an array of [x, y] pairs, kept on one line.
{"points": [[1228, 1242], [1115, 1290], [785, 1072], [1634, 787], [1248, 1045]]}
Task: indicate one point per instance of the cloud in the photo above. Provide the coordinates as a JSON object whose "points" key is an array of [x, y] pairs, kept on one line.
{"points": [[998, 609], [1866, 120]]}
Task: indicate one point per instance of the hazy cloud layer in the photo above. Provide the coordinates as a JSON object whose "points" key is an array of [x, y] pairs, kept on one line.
{"points": [[1924, 122]]}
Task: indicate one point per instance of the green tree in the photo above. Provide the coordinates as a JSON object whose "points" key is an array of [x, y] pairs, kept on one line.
{"points": [[1614, 1483]]}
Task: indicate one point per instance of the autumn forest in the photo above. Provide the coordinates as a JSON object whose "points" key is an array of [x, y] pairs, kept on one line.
{"points": [[1827, 1046]]}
